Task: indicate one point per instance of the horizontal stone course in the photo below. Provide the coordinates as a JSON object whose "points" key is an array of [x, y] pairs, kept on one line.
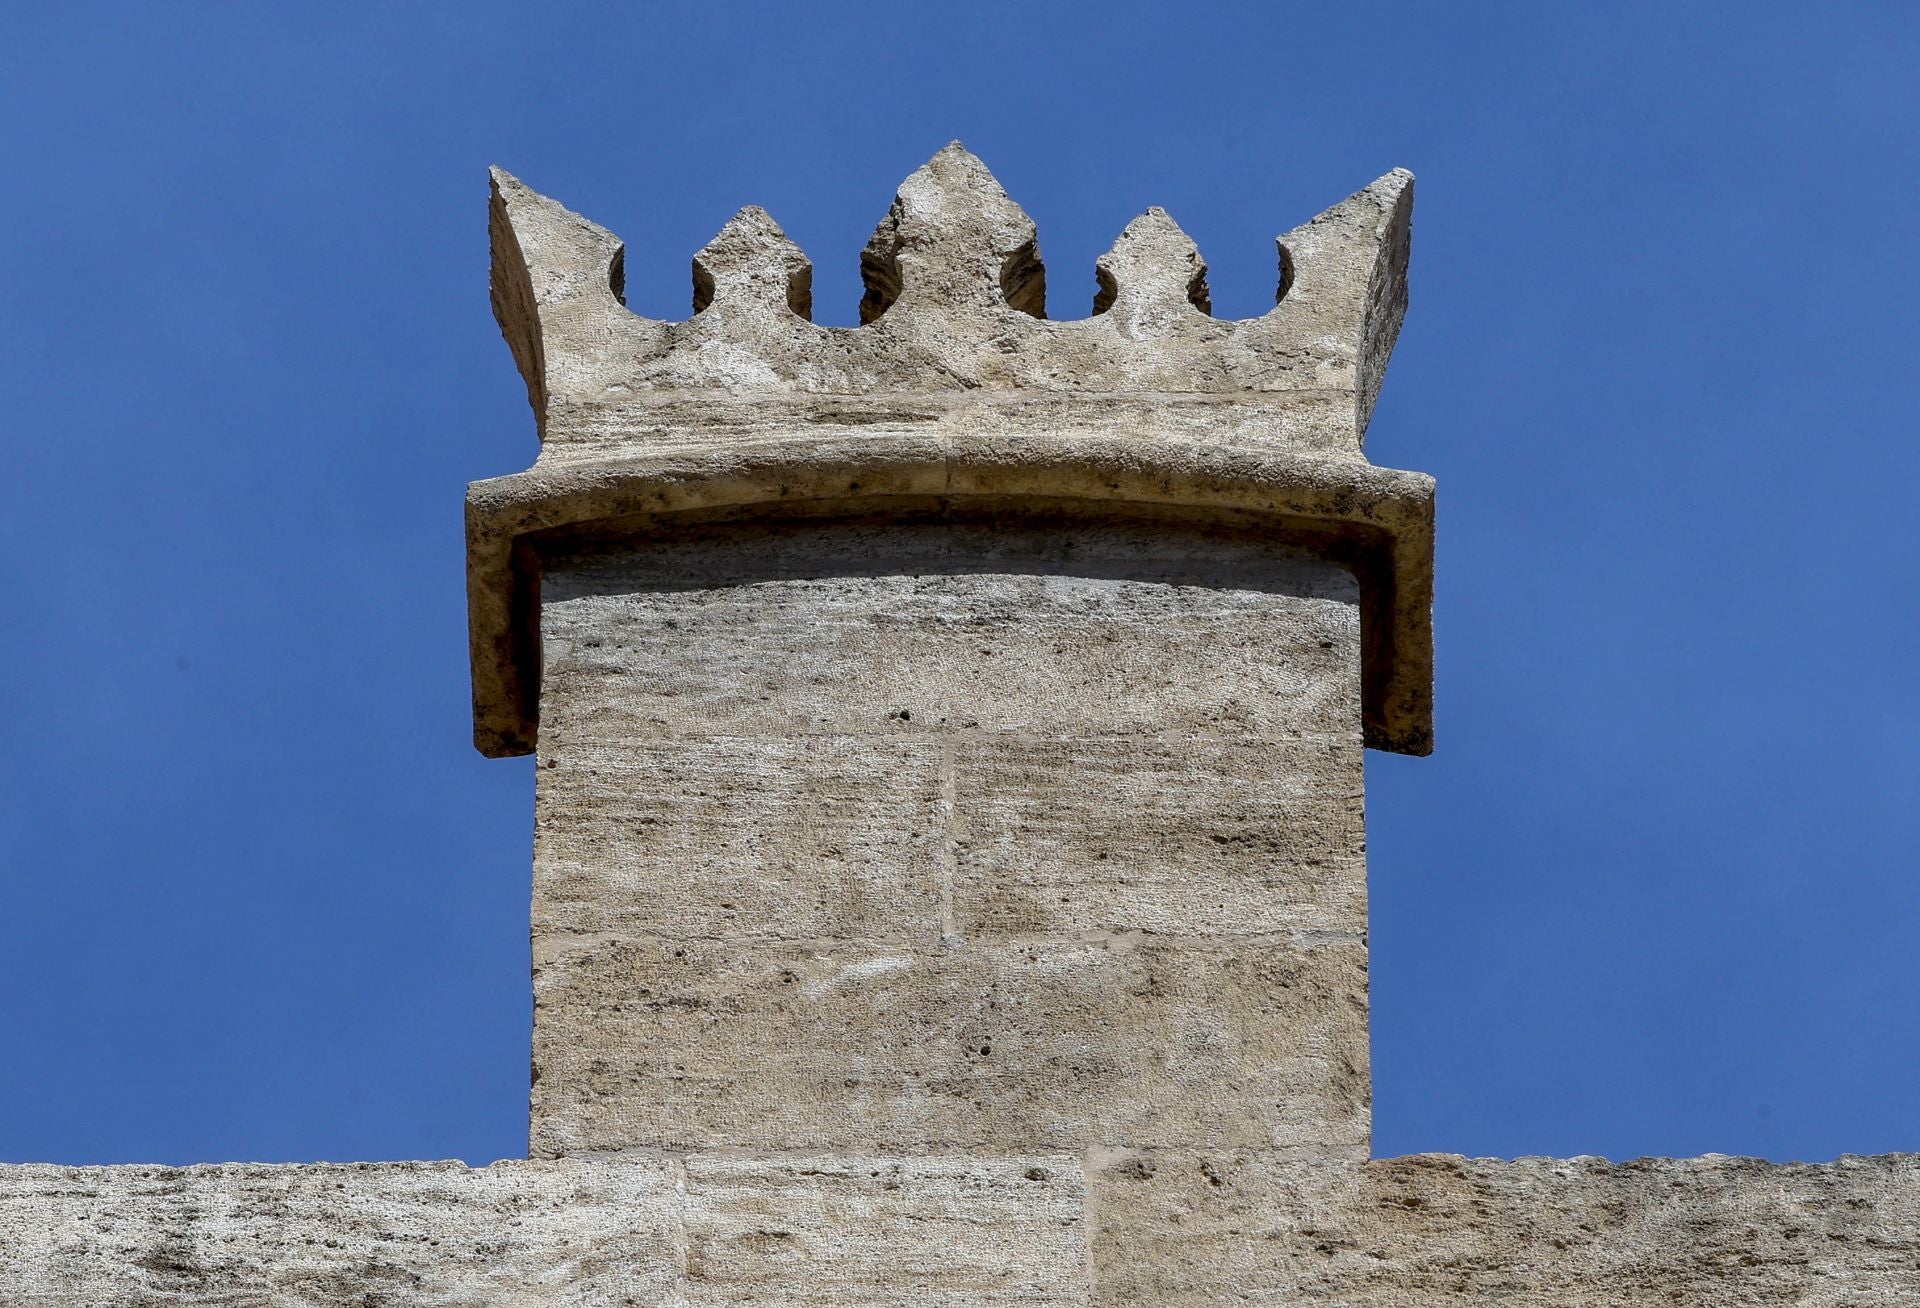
{"points": [[848, 628], [637, 1230], [1181, 1228], [1192, 836], [863, 1230], [1198, 1229], [1048, 1044], [905, 839]]}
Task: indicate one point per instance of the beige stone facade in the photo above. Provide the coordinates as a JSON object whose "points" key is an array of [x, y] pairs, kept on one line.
{"points": [[950, 866], [951, 831]]}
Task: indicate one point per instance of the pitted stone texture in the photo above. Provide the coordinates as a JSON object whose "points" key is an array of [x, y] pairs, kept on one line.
{"points": [[752, 261], [1030, 622], [1153, 272], [1182, 1229], [873, 1232], [885, 1231], [953, 241], [1207, 1230], [715, 837], [949, 832], [983, 834], [1048, 1044], [1207, 835]]}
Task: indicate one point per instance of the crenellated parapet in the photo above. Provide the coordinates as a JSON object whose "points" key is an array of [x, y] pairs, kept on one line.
{"points": [[955, 385], [954, 316]]}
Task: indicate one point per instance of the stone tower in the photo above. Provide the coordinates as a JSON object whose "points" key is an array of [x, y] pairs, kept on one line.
{"points": [[949, 878], [950, 728]]}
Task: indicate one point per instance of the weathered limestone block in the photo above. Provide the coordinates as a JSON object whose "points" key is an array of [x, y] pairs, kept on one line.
{"points": [[643, 1231], [885, 1231], [1185, 1229], [1207, 835], [1095, 623], [717, 837], [949, 832], [1255, 1041], [909, 836], [1192, 1229]]}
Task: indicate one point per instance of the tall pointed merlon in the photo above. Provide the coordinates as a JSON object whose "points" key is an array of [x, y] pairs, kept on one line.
{"points": [[950, 728]]}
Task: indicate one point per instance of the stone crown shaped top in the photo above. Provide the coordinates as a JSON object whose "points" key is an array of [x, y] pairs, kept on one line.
{"points": [[955, 306], [955, 390]]}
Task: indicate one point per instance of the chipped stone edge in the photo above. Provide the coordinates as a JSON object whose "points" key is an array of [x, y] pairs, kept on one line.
{"points": [[1378, 521]]}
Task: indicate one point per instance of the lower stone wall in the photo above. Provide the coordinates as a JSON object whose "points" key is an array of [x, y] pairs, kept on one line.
{"points": [[1173, 1230], [696, 1231], [1180, 1231]]}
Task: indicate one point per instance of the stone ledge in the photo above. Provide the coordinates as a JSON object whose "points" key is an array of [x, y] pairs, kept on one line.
{"points": [[1377, 521]]}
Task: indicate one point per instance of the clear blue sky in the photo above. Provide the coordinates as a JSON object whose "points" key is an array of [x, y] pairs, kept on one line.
{"points": [[1655, 892]]}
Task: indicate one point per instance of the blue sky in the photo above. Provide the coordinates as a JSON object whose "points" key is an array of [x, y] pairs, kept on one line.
{"points": [[1656, 890]]}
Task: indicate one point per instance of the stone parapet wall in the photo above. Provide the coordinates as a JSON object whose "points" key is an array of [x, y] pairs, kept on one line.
{"points": [[1197, 1230], [1172, 1228], [856, 1232]]}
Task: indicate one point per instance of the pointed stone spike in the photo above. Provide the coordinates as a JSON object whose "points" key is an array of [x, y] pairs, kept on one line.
{"points": [[545, 257], [1346, 269], [562, 253], [752, 261], [1153, 265], [953, 238]]}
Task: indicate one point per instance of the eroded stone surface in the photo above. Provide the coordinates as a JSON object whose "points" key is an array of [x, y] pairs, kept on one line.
{"points": [[868, 1231], [1053, 1044], [1185, 1229], [1196, 1230]]}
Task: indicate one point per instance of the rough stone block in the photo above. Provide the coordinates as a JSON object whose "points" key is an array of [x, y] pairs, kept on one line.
{"points": [[1196, 1229], [854, 1232], [854, 629], [1193, 835], [441, 1233], [834, 1231], [706, 837], [1038, 1046]]}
